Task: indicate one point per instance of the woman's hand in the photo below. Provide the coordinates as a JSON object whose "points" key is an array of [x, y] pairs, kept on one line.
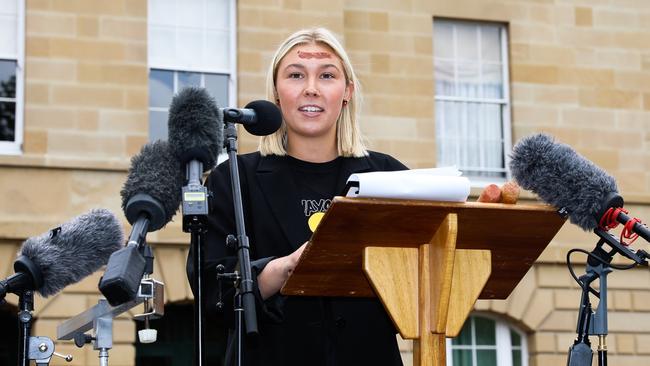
{"points": [[276, 273]]}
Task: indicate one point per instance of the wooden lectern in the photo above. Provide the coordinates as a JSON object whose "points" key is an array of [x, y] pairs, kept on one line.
{"points": [[428, 262]]}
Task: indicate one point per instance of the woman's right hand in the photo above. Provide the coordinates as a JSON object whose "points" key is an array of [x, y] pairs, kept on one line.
{"points": [[276, 273]]}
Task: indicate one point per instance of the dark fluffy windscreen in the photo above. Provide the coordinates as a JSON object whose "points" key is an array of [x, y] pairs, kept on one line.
{"points": [[562, 178], [269, 118], [156, 172], [76, 249], [195, 127]]}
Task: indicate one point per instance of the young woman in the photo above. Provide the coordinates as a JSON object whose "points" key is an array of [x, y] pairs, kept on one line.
{"points": [[294, 176]]}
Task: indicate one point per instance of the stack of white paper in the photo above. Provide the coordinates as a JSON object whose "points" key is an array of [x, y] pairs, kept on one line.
{"points": [[438, 184]]}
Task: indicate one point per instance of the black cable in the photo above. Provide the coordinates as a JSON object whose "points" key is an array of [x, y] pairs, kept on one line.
{"points": [[599, 259]]}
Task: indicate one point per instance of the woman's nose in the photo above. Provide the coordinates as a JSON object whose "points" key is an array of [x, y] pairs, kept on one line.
{"points": [[311, 90]]}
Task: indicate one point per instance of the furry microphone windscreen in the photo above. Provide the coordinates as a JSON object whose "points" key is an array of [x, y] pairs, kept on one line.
{"points": [[195, 127], [562, 178], [155, 172], [76, 249]]}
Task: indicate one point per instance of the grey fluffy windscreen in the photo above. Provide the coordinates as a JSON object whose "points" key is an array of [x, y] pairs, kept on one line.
{"points": [[195, 127], [155, 171], [67, 254], [562, 177]]}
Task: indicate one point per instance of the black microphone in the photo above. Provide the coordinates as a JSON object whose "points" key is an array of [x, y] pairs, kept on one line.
{"points": [[565, 179], [150, 197], [259, 117], [64, 255]]}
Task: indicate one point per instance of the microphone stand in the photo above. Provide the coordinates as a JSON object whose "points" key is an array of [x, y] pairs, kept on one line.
{"points": [[244, 301], [26, 304], [195, 215], [595, 322]]}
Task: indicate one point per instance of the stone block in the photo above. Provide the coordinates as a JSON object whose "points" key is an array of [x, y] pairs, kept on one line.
{"points": [[633, 80], [37, 93], [625, 343], [87, 26], [584, 16], [46, 23], [541, 307], [641, 300], [535, 74], [90, 96], [610, 98], [560, 321], [50, 70], [541, 342]]}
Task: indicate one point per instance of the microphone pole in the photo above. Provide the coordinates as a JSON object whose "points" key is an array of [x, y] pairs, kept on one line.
{"points": [[195, 213], [244, 298]]}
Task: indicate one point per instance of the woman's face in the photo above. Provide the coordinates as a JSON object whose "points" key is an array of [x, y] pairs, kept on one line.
{"points": [[311, 87]]}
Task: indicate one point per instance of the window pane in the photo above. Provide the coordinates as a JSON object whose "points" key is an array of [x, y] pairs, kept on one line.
{"points": [[492, 81], [186, 79], [8, 78], [161, 88], [7, 121], [465, 335], [516, 357], [162, 45], [217, 86], [216, 49], [490, 43], [8, 34], [219, 14], [162, 12], [190, 13], [485, 331], [486, 358], [157, 125], [462, 357], [189, 44], [469, 80], [444, 39], [445, 85], [515, 338], [466, 37]]}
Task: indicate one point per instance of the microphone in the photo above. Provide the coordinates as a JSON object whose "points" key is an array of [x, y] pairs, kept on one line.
{"points": [[64, 255], [259, 117], [150, 197], [565, 179], [195, 127]]}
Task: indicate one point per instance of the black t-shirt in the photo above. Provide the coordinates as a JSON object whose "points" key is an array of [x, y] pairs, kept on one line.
{"points": [[316, 184]]}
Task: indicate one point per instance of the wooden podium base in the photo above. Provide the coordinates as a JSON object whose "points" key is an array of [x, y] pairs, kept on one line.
{"points": [[429, 313]]}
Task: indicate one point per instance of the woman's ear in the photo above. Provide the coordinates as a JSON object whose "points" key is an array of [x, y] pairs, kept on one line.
{"points": [[349, 91]]}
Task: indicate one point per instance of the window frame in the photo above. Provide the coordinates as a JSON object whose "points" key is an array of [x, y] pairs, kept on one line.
{"points": [[505, 102], [503, 342], [231, 71], [16, 147]]}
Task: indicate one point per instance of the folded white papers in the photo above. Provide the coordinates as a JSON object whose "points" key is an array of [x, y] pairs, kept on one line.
{"points": [[439, 184]]}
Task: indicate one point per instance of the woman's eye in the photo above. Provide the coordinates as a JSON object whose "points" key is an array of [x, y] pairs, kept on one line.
{"points": [[328, 75], [295, 75]]}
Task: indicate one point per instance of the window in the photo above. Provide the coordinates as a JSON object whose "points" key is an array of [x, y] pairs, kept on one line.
{"points": [[486, 341], [191, 43], [472, 98], [11, 75]]}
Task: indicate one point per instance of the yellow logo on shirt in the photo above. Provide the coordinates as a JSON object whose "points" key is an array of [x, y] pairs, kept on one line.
{"points": [[314, 220]]}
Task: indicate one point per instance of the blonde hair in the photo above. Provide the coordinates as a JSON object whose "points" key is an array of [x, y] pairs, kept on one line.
{"points": [[348, 135]]}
